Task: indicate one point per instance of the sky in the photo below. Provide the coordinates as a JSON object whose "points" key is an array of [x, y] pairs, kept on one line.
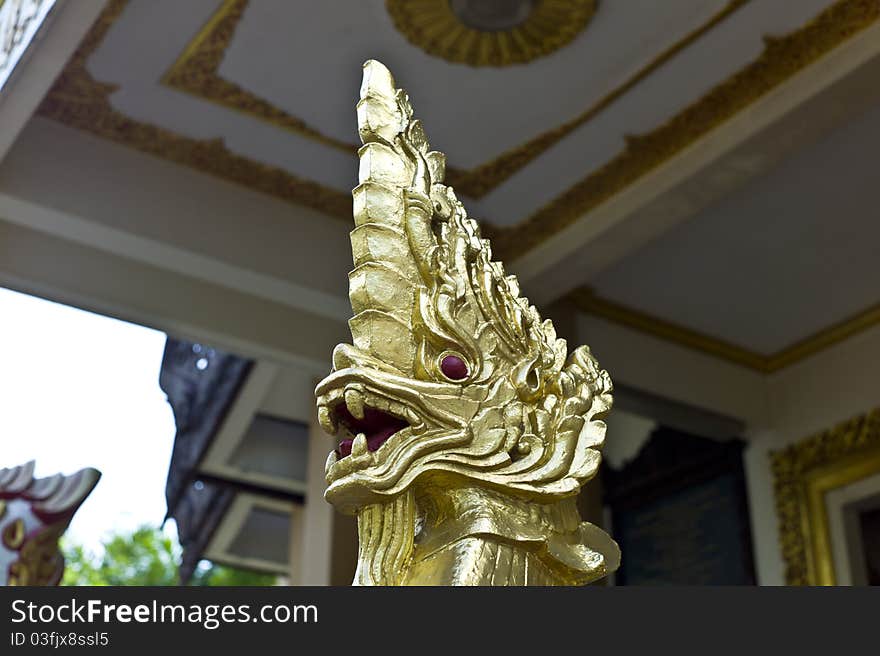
{"points": [[79, 389]]}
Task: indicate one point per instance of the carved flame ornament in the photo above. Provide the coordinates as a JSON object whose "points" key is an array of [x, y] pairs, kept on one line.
{"points": [[34, 512], [465, 427]]}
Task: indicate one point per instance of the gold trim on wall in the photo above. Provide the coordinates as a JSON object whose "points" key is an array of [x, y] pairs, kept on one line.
{"points": [[803, 474], [825, 338], [589, 303], [434, 27]]}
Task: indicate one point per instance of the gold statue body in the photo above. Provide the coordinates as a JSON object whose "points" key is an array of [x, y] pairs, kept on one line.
{"points": [[466, 428]]}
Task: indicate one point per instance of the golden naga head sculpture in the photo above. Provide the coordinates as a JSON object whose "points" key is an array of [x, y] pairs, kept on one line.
{"points": [[465, 427]]}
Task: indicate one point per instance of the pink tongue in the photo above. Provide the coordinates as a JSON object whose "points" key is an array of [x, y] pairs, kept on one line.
{"points": [[376, 425], [373, 442]]}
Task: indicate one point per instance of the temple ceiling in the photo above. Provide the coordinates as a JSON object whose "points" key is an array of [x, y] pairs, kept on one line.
{"points": [[541, 127], [531, 145]]}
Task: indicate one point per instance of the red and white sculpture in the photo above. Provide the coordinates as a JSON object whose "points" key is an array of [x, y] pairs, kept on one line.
{"points": [[34, 512]]}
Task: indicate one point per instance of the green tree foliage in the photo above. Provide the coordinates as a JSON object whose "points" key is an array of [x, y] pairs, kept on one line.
{"points": [[146, 556]]}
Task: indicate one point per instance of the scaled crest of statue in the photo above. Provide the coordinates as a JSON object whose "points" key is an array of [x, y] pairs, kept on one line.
{"points": [[466, 428]]}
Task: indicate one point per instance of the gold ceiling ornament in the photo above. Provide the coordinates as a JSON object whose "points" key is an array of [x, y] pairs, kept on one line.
{"points": [[803, 474], [77, 100], [467, 428], [494, 33], [587, 301]]}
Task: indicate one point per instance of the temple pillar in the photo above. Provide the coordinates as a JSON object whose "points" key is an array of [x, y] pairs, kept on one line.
{"points": [[313, 548]]}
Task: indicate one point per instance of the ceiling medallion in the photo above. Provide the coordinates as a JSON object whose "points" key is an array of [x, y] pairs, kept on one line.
{"points": [[490, 32]]}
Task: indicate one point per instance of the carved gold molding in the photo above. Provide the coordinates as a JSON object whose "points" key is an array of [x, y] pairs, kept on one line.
{"points": [[434, 26], [589, 303], [76, 99], [803, 474]]}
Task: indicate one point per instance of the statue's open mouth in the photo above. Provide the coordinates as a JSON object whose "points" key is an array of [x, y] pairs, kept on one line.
{"points": [[383, 421], [363, 417], [374, 427]]}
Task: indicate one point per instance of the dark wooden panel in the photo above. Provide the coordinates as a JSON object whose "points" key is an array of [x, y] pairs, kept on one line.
{"points": [[680, 513]]}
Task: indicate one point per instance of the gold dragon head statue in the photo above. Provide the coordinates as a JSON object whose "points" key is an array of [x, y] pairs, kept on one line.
{"points": [[452, 379]]}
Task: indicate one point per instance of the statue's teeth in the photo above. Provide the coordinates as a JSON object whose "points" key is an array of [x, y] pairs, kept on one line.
{"points": [[327, 419], [331, 460], [354, 401], [359, 446]]}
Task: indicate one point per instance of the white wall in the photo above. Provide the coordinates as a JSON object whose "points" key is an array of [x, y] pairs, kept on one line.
{"points": [[674, 372], [626, 435]]}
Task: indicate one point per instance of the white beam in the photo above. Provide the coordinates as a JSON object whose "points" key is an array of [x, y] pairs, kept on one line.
{"points": [[34, 262], [172, 258], [317, 541], [106, 196]]}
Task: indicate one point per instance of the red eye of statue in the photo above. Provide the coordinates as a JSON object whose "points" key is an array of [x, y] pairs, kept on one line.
{"points": [[453, 367]]}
